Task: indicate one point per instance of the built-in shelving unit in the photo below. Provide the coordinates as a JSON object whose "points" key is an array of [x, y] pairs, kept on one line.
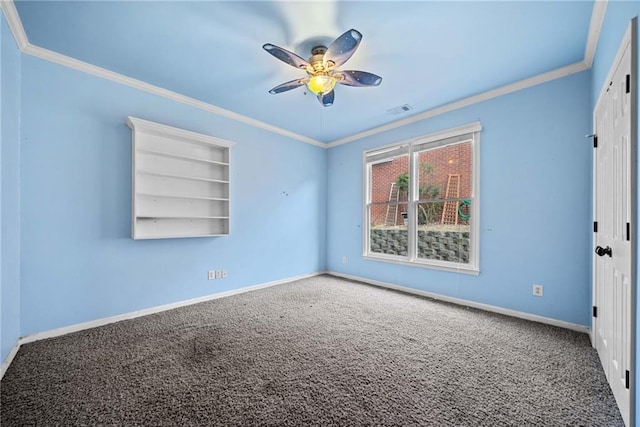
{"points": [[180, 182]]}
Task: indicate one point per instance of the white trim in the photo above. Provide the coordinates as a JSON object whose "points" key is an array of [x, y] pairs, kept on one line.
{"points": [[595, 26], [132, 315], [13, 19], [69, 62], [450, 133], [6, 362], [467, 303], [388, 147], [139, 313], [366, 187], [145, 126], [435, 136], [465, 102], [19, 34], [145, 312], [626, 40], [424, 142], [633, 417], [456, 268], [475, 208]]}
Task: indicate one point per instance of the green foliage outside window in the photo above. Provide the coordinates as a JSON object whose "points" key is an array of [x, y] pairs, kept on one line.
{"points": [[427, 212]]}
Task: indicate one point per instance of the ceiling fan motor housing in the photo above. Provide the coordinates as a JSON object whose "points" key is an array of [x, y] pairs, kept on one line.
{"points": [[318, 50], [316, 60]]}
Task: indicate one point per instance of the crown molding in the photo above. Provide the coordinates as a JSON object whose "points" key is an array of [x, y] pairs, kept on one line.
{"points": [[595, 26], [76, 64], [465, 102], [15, 24]]}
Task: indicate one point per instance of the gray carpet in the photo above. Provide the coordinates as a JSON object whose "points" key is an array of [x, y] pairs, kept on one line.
{"points": [[321, 351]]}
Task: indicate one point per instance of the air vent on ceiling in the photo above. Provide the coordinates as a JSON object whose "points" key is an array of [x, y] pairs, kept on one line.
{"points": [[400, 110]]}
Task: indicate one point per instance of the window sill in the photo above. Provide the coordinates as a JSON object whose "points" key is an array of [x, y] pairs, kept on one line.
{"points": [[456, 268]]}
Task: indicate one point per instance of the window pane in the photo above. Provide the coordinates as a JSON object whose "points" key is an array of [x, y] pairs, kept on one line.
{"points": [[439, 170], [389, 180], [445, 172], [388, 229], [439, 238], [386, 153]]}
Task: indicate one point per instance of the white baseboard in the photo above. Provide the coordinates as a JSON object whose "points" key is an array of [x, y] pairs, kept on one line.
{"points": [[9, 358], [467, 303], [138, 313]]}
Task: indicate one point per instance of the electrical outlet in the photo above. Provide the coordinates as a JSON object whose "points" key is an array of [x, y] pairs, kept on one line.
{"points": [[344, 259], [217, 274], [538, 290]]}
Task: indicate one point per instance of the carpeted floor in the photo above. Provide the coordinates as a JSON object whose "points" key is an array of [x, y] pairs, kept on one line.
{"points": [[321, 351]]}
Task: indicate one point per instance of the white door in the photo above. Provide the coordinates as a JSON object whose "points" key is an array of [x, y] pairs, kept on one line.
{"points": [[613, 215]]}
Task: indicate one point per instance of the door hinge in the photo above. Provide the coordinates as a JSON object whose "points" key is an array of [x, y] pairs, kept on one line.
{"points": [[628, 231], [595, 311], [595, 141], [628, 85], [595, 226], [626, 379]]}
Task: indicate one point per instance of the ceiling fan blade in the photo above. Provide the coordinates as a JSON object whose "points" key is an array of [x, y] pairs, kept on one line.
{"points": [[359, 78], [285, 56], [342, 48], [288, 86], [327, 99]]}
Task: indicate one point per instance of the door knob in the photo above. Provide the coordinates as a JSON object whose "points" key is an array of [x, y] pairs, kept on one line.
{"points": [[600, 251]]}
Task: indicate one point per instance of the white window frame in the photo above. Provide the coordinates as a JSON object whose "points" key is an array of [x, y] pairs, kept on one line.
{"points": [[433, 140]]}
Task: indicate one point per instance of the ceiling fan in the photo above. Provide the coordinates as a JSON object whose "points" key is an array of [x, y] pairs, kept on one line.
{"points": [[321, 68]]}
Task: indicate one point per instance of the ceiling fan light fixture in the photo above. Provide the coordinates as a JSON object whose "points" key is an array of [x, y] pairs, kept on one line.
{"points": [[322, 68], [321, 85]]}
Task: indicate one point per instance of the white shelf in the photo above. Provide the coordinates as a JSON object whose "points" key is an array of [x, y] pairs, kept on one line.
{"points": [[181, 157], [169, 228], [174, 196], [150, 237], [181, 217], [195, 178], [180, 183]]}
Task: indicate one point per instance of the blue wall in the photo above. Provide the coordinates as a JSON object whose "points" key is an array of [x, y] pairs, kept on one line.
{"points": [[535, 209], [78, 260], [616, 21], [10, 200], [296, 208]]}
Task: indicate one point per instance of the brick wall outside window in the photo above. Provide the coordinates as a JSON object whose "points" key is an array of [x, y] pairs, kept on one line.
{"points": [[444, 161]]}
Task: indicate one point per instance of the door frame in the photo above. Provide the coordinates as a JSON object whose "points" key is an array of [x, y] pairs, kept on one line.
{"points": [[630, 37]]}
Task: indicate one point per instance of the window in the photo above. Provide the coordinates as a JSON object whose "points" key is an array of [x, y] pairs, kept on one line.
{"points": [[421, 201]]}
